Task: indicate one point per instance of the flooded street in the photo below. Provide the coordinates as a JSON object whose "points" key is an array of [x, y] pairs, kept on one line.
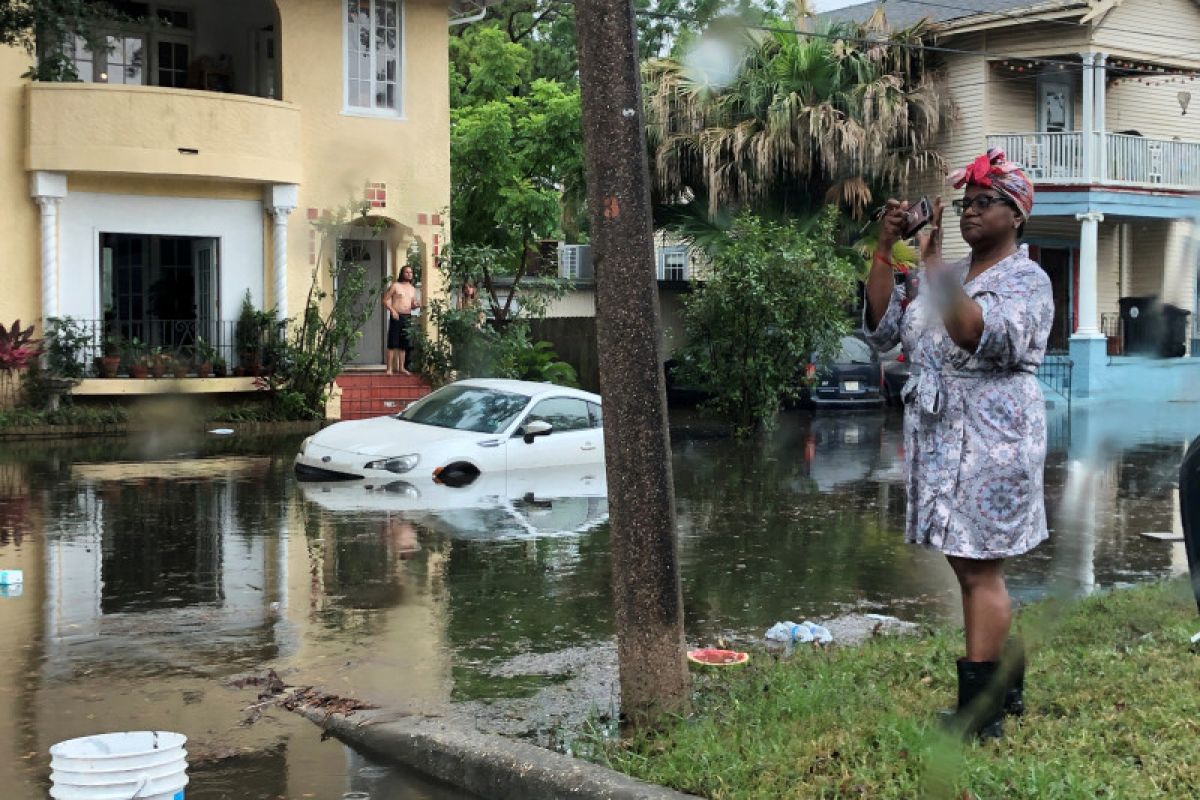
{"points": [[157, 573]]}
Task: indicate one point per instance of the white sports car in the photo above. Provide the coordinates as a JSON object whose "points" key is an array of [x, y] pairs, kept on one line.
{"points": [[461, 431]]}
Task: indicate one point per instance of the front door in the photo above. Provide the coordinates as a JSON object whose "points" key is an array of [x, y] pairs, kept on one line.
{"points": [[204, 275], [1056, 105], [1059, 265], [371, 255]]}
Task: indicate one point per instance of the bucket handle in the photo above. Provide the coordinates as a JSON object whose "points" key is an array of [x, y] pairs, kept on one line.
{"points": [[141, 786]]}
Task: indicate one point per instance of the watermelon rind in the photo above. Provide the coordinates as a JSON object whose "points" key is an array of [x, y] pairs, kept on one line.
{"points": [[712, 658]]}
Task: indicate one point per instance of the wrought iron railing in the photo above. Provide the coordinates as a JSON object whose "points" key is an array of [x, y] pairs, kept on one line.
{"points": [[1055, 375], [171, 342]]}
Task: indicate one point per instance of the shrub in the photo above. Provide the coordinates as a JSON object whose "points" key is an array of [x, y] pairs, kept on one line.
{"points": [[775, 295]]}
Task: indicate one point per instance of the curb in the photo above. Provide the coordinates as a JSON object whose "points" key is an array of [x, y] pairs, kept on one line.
{"points": [[486, 765]]}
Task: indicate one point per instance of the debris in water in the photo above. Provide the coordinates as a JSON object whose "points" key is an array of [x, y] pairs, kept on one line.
{"points": [[222, 431], [1163, 536]]}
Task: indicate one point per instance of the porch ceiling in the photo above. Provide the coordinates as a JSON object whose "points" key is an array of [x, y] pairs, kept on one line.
{"points": [[1069, 201]]}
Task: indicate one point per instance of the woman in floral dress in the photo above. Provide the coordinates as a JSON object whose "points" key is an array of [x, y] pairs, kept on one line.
{"points": [[974, 333]]}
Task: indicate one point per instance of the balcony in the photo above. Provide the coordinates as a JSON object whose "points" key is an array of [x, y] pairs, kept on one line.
{"points": [[151, 130], [1128, 161]]}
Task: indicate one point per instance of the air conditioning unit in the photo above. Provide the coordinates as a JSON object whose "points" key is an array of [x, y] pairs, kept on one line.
{"points": [[575, 262]]}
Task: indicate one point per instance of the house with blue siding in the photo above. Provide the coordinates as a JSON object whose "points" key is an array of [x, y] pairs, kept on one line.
{"points": [[1099, 101]]}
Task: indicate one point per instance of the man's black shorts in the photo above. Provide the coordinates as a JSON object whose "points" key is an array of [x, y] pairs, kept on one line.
{"points": [[399, 333]]}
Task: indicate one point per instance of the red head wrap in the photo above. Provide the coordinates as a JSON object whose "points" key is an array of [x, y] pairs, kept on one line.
{"points": [[993, 171]]}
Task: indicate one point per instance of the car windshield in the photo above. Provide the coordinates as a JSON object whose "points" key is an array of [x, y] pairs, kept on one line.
{"points": [[466, 408], [854, 351]]}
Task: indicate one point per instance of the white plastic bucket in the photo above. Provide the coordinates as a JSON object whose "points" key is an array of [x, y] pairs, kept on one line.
{"points": [[133, 765]]}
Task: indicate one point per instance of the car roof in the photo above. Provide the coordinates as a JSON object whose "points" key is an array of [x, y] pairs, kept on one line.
{"points": [[531, 388]]}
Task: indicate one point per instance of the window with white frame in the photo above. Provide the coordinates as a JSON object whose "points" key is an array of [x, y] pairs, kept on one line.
{"points": [[151, 45], [673, 264], [373, 51]]}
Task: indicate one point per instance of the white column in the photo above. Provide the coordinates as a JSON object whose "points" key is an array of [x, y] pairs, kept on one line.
{"points": [[279, 258], [1088, 127], [48, 190], [1099, 111], [280, 200], [1089, 233]]}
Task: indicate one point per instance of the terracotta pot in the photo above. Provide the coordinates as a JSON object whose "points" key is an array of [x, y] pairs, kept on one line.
{"points": [[139, 371], [109, 366], [219, 371], [180, 370], [158, 368], [204, 370]]}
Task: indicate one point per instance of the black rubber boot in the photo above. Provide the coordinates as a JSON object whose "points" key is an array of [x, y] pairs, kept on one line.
{"points": [[1014, 668], [980, 712]]}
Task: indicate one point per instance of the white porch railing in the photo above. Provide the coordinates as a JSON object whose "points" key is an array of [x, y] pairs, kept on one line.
{"points": [[1123, 160]]}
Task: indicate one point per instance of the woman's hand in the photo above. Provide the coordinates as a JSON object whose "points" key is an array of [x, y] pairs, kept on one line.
{"points": [[930, 238], [891, 226]]}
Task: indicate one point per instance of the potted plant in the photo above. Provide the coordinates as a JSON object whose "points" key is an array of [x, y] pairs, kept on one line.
{"points": [[180, 367], [158, 361], [220, 368], [134, 356], [248, 332], [205, 355], [110, 362]]}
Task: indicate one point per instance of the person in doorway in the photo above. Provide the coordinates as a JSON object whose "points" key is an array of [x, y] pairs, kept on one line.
{"points": [[974, 332], [400, 300]]}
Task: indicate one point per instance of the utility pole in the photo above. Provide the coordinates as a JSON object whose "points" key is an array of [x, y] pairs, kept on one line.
{"points": [[646, 593]]}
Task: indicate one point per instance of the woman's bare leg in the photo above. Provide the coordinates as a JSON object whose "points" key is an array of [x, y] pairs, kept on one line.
{"points": [[987, 608]]}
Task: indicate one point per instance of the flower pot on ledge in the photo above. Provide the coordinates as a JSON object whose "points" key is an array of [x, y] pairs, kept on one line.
{"points": [[109, 366], [139, 371], [204, 370]]}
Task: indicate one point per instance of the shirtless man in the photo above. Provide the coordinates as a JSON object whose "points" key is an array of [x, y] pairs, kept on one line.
{"points": [[400, 299]]}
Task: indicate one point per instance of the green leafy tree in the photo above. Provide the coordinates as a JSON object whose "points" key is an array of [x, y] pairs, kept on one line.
{"points": [[775, 294], [491, 336], [46, 29]]}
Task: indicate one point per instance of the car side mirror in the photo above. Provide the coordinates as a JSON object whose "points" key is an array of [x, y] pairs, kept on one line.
{"points": [[531, 430]]}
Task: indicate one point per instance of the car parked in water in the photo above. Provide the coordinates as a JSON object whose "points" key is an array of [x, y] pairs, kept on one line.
{"points": [[895, 374], [461, 431], [853, 379]]}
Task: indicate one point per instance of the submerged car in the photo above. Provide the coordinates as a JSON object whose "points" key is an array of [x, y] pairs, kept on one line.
{"points": [[461, 431], [853, 379]]}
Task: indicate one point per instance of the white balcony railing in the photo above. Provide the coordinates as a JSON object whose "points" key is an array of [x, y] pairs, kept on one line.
{"points": [[1123, 160]]}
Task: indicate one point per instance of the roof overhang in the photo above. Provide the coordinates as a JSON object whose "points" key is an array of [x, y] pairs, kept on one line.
{"points": [[1034, 12]]}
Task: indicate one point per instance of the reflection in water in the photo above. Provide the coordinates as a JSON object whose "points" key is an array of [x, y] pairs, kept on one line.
{"points": [[152, 579]]}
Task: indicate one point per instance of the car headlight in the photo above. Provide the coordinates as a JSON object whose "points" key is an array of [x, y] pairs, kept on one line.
{"points": [[396, 464], [304, 445]]}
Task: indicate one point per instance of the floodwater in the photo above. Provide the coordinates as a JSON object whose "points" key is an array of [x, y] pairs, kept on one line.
{"points": [[158, 572]]}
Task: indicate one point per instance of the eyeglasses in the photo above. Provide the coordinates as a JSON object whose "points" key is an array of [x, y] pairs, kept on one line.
{"points": [[980, 202]]}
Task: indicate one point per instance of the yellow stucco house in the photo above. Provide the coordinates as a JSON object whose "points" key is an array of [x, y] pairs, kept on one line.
{"points": [[187, 165]]}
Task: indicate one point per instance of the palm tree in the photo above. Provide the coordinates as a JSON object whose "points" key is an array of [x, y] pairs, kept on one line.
{"points": [[800, 121]]}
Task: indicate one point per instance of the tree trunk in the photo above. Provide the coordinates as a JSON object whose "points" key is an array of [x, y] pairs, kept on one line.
{"points": [[646, 592]]}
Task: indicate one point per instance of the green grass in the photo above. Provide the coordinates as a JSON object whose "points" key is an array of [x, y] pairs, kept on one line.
{"points": [[94, 415], [1113, 692], [65, 414]]}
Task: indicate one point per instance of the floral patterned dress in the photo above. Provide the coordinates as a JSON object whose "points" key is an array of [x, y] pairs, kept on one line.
{"points": [[975, 423]]}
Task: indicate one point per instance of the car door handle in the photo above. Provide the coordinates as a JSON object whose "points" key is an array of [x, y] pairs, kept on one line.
{"points": [[588, 446]]}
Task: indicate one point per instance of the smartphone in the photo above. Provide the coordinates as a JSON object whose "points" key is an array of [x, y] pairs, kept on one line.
{"points": [[917, 217]]}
